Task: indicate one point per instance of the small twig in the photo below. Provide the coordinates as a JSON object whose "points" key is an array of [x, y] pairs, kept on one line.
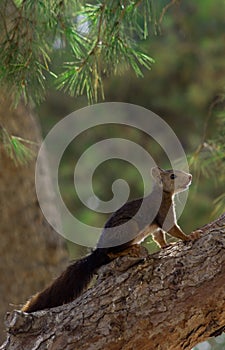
{"points": [[24, 140], [84, 61], [165, 9]]}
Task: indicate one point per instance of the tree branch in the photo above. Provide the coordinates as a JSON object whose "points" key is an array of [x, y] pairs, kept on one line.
{"points": [[170, 300]]}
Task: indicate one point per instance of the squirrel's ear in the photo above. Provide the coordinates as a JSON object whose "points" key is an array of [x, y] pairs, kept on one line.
{"points": [[156, 174]]}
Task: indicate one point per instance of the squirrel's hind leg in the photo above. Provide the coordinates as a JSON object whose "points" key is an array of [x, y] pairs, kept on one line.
{"points": [[159, 237]]}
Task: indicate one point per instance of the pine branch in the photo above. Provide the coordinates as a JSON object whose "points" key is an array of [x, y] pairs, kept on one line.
{"points": [[109, 49], [15, 147], [109, 44]]}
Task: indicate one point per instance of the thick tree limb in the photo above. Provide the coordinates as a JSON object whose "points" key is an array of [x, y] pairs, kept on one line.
{"points": [[171, 300]]}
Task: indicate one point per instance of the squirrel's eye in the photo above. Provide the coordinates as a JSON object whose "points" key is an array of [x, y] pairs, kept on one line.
{"points": [[173, 176]]}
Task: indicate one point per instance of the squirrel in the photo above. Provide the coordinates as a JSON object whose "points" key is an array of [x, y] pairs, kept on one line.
{"points": [[127, 227]]}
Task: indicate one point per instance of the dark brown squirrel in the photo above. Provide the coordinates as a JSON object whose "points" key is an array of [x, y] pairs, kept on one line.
{"points": [[125, 228]]}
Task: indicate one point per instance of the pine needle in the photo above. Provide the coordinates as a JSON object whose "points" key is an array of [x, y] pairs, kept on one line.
{"points": [[15, 147]]}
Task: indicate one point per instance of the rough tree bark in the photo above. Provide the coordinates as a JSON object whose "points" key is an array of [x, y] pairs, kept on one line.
{"points": [[170, 300]]}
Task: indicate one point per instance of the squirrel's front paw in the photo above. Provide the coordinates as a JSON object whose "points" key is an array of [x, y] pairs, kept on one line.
{"points": [[195, 234]]}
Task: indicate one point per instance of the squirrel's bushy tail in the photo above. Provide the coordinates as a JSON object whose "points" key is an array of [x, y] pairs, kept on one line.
{"points": [[70, 284]]}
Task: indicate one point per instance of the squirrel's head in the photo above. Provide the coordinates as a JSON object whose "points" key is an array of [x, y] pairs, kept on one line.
{"points": [[172, 181]]}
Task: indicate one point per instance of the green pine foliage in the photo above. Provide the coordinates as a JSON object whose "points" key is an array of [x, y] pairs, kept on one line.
{"points": [[93, 40], [16, 147], [101, 37]]}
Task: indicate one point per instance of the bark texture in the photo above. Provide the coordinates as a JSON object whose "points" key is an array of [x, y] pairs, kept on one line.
{"points": [[170, 300], [30, 251]]}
